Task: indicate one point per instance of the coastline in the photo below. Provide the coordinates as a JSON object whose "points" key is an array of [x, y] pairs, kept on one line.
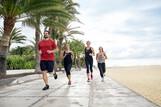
{"points": [[144, 80]]}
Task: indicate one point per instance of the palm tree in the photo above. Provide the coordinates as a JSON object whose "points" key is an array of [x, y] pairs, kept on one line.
{"points": [[11, 11], [35, 21], [58, 24], [16, 36], [71, 32], [77, 46]]}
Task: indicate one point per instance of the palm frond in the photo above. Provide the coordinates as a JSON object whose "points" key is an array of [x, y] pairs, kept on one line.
{"points": [[74, 32], [16, 36]]}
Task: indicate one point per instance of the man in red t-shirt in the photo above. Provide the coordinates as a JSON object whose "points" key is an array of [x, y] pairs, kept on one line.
{"points": [[46, 51]]}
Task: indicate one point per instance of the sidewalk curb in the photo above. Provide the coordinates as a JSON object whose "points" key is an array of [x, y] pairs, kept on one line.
{"points": [[19, 79], [25, 79]]}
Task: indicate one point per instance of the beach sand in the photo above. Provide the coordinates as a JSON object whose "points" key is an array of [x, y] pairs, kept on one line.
{"points": [[144, 80]]}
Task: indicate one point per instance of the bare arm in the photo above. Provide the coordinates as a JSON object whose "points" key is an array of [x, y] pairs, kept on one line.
{"points": [[40, 52], [97, 56], [93, 53], [105, 55], [53, 49], [63, 54]]}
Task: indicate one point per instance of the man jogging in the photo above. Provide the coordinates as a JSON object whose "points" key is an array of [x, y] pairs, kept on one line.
{"points": [[46, 51]]}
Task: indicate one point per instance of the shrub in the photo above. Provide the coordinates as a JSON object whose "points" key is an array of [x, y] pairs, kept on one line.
{"points": [[20, 62]]}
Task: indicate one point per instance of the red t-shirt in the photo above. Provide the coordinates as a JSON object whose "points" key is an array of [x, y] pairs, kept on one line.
{"points": [[45, 45]]}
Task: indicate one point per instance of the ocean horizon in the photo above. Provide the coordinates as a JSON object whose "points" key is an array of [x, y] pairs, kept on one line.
{"points": [[133, 62]]}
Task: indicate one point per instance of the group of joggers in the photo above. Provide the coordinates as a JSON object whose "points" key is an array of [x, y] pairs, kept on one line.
{"points": [[47, 47]]}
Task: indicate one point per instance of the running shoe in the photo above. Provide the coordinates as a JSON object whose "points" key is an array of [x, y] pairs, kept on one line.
{"points": [[69, 82], [91, 77], [55, 76], [88, 80], [46, 87]]}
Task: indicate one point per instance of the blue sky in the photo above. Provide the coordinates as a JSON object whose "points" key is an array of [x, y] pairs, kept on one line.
{"points": [[125, 28]]}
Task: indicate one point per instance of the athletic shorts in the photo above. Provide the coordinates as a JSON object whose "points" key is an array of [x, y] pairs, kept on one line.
{"points": [[47, 66]]}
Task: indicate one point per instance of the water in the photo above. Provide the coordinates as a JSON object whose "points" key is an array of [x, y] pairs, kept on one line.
{"points": [[133, 62]]}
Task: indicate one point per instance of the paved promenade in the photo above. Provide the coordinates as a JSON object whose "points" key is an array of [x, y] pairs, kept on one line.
{"points": [[27, 92]]}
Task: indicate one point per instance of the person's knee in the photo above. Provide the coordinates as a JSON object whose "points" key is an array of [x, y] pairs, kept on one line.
{"points": [[44, 72], [67, 73]]}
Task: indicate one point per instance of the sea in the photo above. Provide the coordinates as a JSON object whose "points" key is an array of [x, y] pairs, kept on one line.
{"points": [[132, 62]]}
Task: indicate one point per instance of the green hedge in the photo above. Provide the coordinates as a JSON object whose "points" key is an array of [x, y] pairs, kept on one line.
{"points": [[20, 62]]}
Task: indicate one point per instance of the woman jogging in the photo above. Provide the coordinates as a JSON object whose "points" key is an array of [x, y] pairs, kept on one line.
{"points": [[89, 53], [67, 55], [101, 57]]}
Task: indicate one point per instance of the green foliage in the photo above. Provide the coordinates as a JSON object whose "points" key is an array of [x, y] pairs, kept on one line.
{"points": [[77, 46], [56, 56], [20, 62], [16, 36], [21, 58], [26, 50]]}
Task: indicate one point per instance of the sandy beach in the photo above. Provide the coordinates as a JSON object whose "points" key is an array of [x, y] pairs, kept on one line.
{"points": [[144, 80]]}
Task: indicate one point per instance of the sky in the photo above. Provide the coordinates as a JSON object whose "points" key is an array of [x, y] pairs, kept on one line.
{"points": [[124, 28]]}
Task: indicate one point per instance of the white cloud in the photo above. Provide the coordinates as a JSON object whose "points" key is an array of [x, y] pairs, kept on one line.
{"points": [[125, 28], [125, 31]]}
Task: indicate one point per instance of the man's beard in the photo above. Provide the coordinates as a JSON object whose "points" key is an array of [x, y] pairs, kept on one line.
{"points": [[45, 36]]}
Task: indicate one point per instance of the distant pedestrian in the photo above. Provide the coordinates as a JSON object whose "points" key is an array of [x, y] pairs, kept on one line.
{"points": [[89, 53], [47, 47], [101, 57], [67, 55]]}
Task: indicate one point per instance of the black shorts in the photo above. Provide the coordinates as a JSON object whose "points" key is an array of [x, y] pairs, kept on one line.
{"points": [[47, 66]]}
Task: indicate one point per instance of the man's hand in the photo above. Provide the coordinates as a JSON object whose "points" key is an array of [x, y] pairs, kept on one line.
{"points": [[40, 52], [49, 51]]}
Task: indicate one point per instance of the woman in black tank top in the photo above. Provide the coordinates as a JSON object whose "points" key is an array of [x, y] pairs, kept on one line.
{"points": [[68, 62], [89, 53]]}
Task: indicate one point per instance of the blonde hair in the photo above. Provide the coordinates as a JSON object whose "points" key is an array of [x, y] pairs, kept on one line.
{"points": [[101, 48], [66, 46]]}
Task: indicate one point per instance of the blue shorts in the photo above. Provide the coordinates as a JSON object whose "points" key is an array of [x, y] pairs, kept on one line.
{"points": [[47, 65]]}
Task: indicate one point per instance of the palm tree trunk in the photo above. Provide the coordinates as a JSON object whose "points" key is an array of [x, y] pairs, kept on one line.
{"points": [[37, 36], [3, 56], [60, 41], [9, 23]]}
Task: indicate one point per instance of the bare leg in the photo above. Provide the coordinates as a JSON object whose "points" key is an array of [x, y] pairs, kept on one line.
{"points": [[45, 77], [69, 79], [88, 77]]}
